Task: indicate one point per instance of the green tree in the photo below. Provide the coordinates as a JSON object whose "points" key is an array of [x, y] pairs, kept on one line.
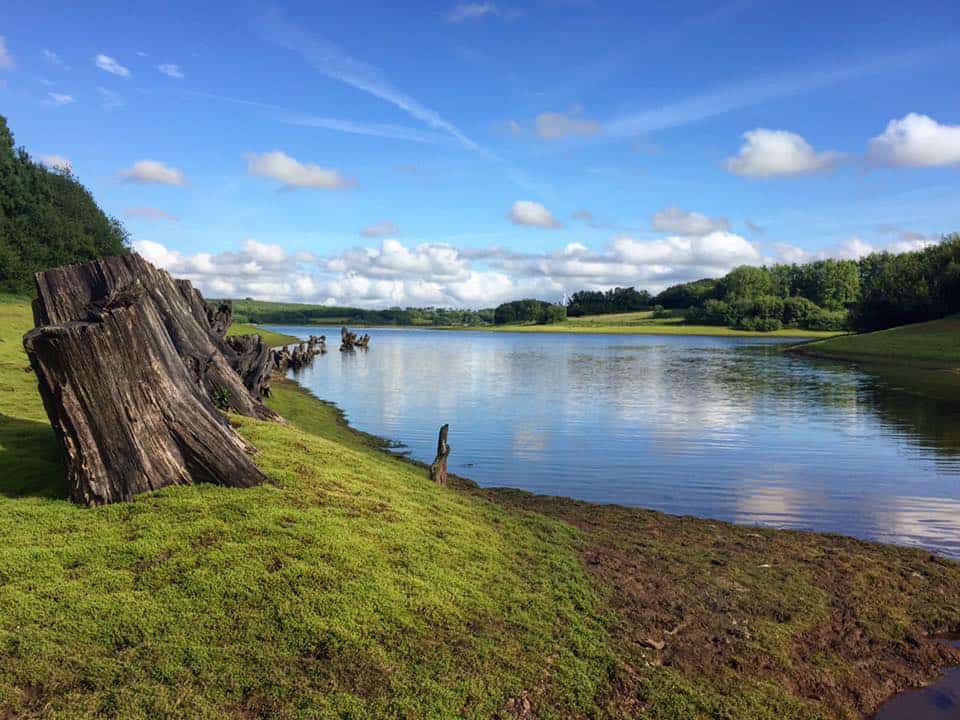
{"points": [[746, 281], [47, 219]]}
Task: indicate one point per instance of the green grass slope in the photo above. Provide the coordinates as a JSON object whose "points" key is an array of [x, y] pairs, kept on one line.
{"points": [[271, 338], [353, 587], [933, 344]]}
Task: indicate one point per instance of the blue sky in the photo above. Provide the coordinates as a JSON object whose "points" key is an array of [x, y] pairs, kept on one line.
{"points": [[445, 153]]}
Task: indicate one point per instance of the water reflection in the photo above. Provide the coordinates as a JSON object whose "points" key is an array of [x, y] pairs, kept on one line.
{"points": [[721, 427]]}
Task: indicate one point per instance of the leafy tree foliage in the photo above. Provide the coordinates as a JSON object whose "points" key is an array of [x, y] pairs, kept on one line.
{"points": [[529, 310], [746, 281], [47, 219], [831, 284], [597, 302], [909, 287], [684, 295]]}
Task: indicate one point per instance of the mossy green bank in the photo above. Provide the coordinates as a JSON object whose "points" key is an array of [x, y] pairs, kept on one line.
{"points": [[934, 344]]}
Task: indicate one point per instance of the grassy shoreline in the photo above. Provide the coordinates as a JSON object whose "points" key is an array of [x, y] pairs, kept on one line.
{"points": [[354, 587], [674, 329], [634, 323], [271, 338], [931, 345]]}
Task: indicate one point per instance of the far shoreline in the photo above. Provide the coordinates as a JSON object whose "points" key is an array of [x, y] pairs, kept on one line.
{"points": [[561, 329]]}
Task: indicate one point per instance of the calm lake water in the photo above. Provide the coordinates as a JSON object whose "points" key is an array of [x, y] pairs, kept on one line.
{"points": [[727, 428]]}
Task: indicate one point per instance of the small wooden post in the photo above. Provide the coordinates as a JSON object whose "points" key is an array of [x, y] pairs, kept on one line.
{"points": [[438, 470]]}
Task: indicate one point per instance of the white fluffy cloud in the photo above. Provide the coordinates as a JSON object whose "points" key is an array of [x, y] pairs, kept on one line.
{"points": [[685, 222], [6, 59], [293, 174], [171, 70], [108, 64], [855, 247], [718, 249], [60, 98], [264, 252], [527, 212], [153, 171], [916, 141], [556, 126], [58, 162], [768, 153], [383, 228], [393, 273]]}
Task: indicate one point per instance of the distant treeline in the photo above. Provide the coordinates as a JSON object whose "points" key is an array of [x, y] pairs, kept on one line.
{"points": [[47, 219], [529, 311], [258, 311], [598, 302], [878, 291]]}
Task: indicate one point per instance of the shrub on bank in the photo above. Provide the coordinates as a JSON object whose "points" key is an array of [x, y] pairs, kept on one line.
{"points": [[529, 310], [767, 313]]}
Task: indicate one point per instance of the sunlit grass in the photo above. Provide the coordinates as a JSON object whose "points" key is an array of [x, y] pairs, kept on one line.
{"points": [[935, 343], [669, 326], [350, 587], [271, 338]]}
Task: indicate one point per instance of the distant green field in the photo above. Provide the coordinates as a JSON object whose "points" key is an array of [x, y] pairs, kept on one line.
{"points": [[271, 338], [643, 323], [933, 344]]}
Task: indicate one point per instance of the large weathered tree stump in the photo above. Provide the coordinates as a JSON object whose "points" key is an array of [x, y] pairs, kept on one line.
{"points": [[438, 469], [129, 414], [66, 295]]}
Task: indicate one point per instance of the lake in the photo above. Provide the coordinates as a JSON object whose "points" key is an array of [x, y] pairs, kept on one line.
{"points": [[726, 428]]}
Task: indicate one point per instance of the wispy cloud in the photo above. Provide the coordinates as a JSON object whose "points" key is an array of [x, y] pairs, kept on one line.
{"points": [[6, 59], [384, 130], [108, 64], [60, 98], [303, 119], [465, 11], [384, 228], [54, 59], [734, 97], [109, 99], [171, 70], [331, 61]]}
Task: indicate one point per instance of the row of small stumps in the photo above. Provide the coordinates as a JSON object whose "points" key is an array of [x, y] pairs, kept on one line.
{"points": [[303, 353]]}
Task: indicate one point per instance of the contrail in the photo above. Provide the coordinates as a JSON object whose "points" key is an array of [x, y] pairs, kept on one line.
{"points": [[327, 59]]}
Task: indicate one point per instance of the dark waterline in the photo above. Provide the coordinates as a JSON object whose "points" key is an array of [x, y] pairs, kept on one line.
{"points": [[939, 701], [729, 428]]}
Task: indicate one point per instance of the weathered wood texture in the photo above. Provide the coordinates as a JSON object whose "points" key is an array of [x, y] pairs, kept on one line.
{"points": [[253, 362], [302, 354], [351, 340], [438, 469], [66, 295], [129, 413]]}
